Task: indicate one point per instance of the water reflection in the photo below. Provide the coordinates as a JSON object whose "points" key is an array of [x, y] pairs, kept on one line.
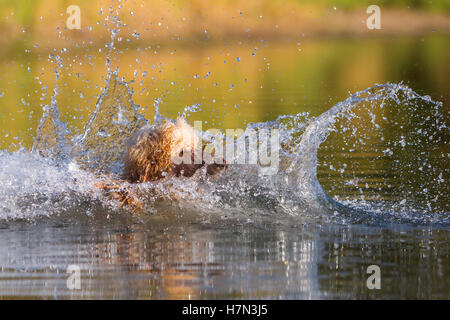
{"points": [[191, 261], [281, 78]]}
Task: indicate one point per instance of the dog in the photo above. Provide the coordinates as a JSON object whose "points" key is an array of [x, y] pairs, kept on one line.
{"points": [[165, 150]]}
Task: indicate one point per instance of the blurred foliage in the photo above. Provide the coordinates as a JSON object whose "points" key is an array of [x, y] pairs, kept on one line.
{"points": [[44, 20], [243, 60], [417, 4], [268, 79]]}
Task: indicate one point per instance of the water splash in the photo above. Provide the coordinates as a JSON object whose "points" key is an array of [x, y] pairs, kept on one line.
{"points": [[115, 119], [396, 98], [34, 186], [294, 191], [52, 138], [114, 26]]}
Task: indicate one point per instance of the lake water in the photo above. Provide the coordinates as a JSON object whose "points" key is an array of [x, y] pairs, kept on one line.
{"points": [[382, 156]]}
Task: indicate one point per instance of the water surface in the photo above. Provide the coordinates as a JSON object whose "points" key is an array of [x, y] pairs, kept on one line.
{"points": [[256, 238]]}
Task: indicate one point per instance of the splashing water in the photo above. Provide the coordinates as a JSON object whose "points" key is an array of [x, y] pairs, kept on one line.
{"points": [[44, 183], [113, 122], [383, 125], [52, 135]]}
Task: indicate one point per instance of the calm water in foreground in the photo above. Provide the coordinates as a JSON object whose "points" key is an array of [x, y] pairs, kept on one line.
{"points": [[178, 253]]}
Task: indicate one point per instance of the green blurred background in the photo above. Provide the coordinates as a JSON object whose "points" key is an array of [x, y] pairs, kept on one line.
{"points": [[243, 61]]}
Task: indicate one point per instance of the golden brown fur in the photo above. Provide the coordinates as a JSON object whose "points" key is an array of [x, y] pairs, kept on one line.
{"points": [[149, 157], [151, 151]]}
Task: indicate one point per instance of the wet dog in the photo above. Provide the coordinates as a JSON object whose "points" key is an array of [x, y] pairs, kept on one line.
{"points": [[157, 152]]}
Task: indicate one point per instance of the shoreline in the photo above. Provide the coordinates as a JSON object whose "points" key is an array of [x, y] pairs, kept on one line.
{"points": [[297, 26], [9, 52]]}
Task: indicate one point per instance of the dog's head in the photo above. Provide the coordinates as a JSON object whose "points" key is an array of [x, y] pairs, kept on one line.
{"points": [[165, 149], [187, 152]]}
